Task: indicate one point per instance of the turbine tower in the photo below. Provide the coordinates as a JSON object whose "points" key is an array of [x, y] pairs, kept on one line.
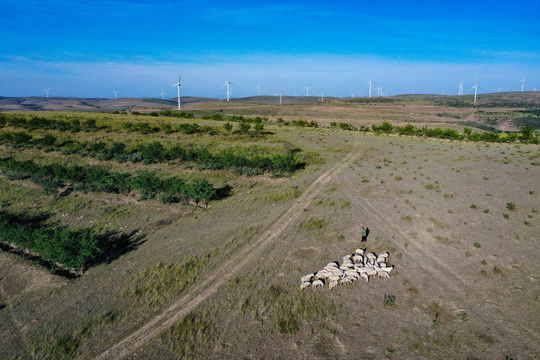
{"points": [[475, 87], [370, 83], [322, 97], [461, 88], [258, 88], [179, 98], [307, 90], [228, 83], [47, 92], [115, 93], [162, 94], [522, 84]]}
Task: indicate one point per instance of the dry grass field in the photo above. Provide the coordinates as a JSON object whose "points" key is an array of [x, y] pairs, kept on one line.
{"points": [[459, 219]]}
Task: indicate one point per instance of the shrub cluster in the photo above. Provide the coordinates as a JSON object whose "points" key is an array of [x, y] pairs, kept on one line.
{"points": [[299, 123], [155, 152], [99, 179], [37, 122], [70, 248]]}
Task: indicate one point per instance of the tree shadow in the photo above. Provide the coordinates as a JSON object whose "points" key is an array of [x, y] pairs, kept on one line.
{"points": [[222, 192], [114, 244]]}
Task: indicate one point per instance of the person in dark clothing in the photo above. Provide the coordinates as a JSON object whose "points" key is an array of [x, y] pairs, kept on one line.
{"points": [[364, 234], [367, 233]]}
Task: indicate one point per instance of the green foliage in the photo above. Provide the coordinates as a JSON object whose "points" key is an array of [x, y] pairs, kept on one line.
{"points": [[389, 300], [511, 206], [73, 249], [96, 178], [154, 152]]}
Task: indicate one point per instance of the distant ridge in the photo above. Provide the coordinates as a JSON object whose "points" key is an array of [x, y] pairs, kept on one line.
{"points": [[89, 104]]}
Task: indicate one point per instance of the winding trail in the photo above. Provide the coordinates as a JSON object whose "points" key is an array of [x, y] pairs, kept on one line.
{"points": [[153, 326]]}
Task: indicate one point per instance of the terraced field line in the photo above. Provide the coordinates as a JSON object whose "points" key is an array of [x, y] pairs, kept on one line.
{"points": [[207, 287], [449, 280]]}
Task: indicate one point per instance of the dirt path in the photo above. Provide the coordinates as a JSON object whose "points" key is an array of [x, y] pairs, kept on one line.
{"points": [[452, 283], [153, 326]]}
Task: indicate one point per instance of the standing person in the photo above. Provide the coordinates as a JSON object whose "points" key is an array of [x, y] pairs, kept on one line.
{"points": [[367, 233], [364, 234]]}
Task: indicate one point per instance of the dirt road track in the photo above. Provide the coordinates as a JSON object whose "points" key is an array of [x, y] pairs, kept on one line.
{"points": [[161, 321]]}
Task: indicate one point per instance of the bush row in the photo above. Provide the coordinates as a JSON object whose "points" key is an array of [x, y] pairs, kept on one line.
{"points": [[75, 125], [527, 134], [155, 152], [99, 179], [70, 248], [37, 122]]}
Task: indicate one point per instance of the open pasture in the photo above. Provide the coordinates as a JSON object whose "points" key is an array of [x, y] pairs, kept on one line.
{"points": [[460, 220]]}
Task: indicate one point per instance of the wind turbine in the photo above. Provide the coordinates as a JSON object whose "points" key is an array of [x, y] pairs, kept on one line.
{"points": [[522, 84], [475, 87], [47, 92], [279, 98], [179, 98], [162, 94], [115, 93], [228, 83], [322, 96], [460, 88], [307, 90], [370, 83], [258, 88]]}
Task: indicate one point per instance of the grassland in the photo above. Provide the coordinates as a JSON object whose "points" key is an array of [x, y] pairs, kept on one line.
{"points": [[223, 281]]}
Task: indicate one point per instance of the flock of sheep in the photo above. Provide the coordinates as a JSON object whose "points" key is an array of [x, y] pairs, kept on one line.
{"points": [[355, 266]]}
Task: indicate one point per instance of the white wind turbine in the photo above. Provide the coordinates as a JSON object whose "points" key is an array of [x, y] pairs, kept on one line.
{"points": [[228, 84], [322, 96], [522, 84], [279, 98], [307, 90], [47, 92], [370, 83], [179, 98], [258, 88], [162, 94], [460, 88], [475, 87], [115, 93]]}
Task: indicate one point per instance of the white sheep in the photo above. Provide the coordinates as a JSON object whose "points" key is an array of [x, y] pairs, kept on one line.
{"points": [[364, 276], [305, 285], [383, 274], [387, 268], [357, 259], [317, 283], [333, 284], [346, 257], [359, 252], [321, 274], [307, 278], [333, 263]]}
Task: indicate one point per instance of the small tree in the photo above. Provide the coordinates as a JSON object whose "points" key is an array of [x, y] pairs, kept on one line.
{"points": [[228, 127], [244, 126], [527, 133], [386, 127]]}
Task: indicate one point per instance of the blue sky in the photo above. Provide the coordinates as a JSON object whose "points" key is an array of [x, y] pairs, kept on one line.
{"points": [[87, 48]]}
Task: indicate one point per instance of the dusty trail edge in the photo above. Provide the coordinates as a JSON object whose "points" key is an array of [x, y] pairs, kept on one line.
{"points": [[205, 288]]}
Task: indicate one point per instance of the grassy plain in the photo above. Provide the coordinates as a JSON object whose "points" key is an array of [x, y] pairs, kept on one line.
{"points": [[459, 219]]}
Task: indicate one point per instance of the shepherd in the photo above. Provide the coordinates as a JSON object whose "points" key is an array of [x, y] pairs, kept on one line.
{"points": [[364, 234]]}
